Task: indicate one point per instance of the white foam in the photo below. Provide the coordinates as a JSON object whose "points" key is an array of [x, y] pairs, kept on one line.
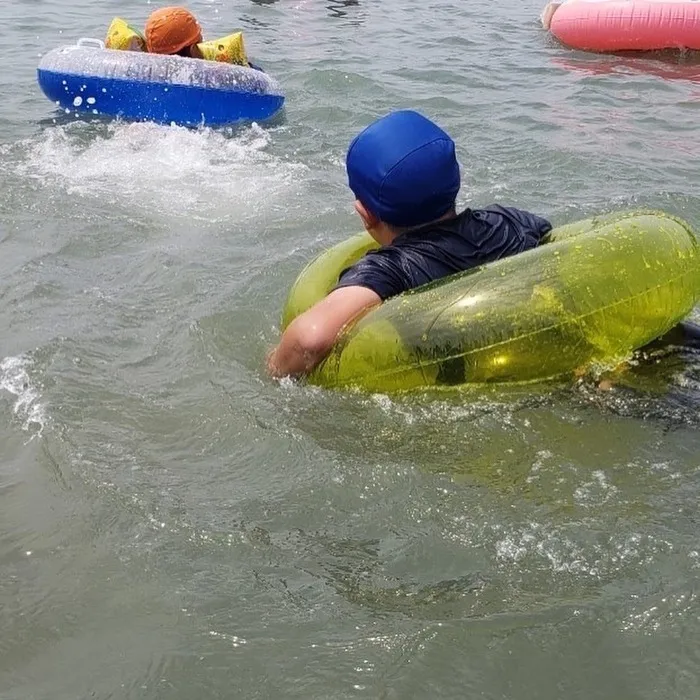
{"points": [[668, 611], [558, 553], [595, 492], [15, 379], [166, 170]]}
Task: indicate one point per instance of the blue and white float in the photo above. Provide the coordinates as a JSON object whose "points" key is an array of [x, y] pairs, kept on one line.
{"points": [[87, 77]]}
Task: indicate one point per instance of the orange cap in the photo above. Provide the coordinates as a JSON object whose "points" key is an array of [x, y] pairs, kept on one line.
{"points": [[170, 29]]}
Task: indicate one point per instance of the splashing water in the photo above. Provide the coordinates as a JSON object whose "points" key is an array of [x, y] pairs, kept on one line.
{"points": [[27, 407], [209, 175]]}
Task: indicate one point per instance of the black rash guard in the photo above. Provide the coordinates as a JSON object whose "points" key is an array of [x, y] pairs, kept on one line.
{"points": [[426, 254]]}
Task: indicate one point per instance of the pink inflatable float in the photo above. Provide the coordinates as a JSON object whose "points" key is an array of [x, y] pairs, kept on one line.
{"points": [[624, 25]]}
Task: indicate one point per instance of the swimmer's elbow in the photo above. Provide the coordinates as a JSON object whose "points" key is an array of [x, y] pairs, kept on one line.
{"points": [[313, 342], [303, 346], [310, 337]]}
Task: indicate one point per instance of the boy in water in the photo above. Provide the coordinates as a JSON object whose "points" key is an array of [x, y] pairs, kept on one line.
{"points": [[173, 31], [404, 174]]}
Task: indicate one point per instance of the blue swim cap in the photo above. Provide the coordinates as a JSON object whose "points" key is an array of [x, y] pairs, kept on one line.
{"points": [[403, 168]]}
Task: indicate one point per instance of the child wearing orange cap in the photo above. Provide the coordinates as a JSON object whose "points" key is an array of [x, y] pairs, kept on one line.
{"points": [[173, 31]]}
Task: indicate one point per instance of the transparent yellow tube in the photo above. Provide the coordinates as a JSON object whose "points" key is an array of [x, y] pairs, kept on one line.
{"points": [[598, 290]]}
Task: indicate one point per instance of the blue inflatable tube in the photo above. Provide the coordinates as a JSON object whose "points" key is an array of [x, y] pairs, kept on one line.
{"points": [[149, 87]]}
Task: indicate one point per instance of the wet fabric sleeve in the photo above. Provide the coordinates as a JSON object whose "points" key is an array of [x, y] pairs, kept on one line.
{"points": [[529, 225], [380, 271]]}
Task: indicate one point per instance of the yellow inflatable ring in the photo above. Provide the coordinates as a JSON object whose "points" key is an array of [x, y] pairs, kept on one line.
{"points": [[593, 293]]}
